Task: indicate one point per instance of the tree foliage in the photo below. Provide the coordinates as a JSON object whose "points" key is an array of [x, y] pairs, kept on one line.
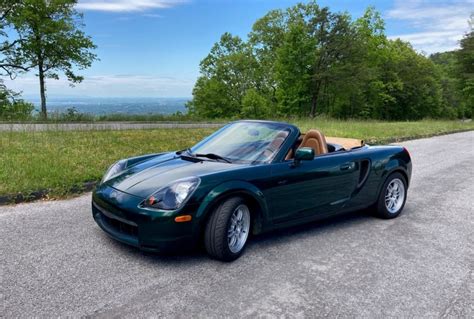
{"points": [[11, 58], [12, 108], [307, 60], [229, 71], [49, 39], [465, 64]]}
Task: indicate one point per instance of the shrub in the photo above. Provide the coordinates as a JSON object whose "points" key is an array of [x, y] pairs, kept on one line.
{"points": [[15, 110]]}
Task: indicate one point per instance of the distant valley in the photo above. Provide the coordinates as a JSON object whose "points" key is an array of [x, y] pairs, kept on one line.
{"points": [[109, 105]]}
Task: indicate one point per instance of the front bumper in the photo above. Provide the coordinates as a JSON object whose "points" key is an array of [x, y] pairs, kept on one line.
{"points": [[117, 213]]}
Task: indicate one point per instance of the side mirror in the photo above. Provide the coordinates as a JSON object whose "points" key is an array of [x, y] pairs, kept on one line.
{"points": [[304, 154]]}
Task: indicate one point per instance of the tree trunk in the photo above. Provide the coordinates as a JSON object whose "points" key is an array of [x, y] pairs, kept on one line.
{"points": [[44, 113], [274, 101], [317, 69], [314, 100]]}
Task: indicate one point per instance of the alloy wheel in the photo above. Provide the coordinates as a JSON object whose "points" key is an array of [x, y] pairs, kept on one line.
{"points": [[239, 227], [394, 196]]}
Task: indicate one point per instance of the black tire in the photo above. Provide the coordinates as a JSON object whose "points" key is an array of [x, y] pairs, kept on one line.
{"points": [[381, 209], [215, 236]]}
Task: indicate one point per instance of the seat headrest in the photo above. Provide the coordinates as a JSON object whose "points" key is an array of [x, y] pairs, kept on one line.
{"points": [[315, 139]]}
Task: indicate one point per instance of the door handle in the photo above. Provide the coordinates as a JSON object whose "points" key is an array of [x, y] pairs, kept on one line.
{"points": [[348, 166]]}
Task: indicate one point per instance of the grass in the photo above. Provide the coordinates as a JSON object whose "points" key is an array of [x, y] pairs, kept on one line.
{"points": [[59, 162], [377, 132]]}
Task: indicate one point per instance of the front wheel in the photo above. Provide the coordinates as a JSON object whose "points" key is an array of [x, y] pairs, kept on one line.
{"points": [[392, 197], [228, 229]]}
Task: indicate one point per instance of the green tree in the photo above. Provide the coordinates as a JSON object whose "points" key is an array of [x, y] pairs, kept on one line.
{"points": [[418, 94], [465, 61], [302, 49], [384, 79], [254, 105], [452, 99], [12, 108], [52, 40], [362, 91], [306, 60], [227, 74], [265, 38], [11, 61]]}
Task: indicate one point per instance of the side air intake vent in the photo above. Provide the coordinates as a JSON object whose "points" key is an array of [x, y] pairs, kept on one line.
{"points": [[364, 172]]}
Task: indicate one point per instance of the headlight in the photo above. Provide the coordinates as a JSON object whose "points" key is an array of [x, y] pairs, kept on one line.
{"points": [[114, 170], [172, 196]]}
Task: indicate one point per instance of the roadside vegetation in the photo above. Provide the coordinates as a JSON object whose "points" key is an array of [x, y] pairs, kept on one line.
{"points": [[307, 61], [60, 162], [56, 164]]}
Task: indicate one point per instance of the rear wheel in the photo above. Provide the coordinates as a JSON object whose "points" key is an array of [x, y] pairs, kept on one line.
{"points": [[392, 197], [228, 229]]}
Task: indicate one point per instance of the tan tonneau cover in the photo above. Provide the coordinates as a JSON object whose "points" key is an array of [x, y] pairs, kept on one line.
{"points": [[347, 143]]}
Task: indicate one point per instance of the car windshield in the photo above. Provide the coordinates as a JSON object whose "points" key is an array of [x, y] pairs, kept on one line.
{"points": [[244, 142]]}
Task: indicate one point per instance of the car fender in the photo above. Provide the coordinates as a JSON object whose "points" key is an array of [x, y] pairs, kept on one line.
{"points": [[394, 164], [228, 188]]}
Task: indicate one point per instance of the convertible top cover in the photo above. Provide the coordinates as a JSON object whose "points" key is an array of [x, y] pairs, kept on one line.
{"points": [[346, 143]]}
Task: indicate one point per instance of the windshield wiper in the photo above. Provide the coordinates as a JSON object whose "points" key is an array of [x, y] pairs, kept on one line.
{"points": [[186, 150], [213, 156], [208, 155]]}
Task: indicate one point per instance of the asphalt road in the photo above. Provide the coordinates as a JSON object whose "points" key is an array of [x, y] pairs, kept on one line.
{"points": [[56, 261], [39, 127]]}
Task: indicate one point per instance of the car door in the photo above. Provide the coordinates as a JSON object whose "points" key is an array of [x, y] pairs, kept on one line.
{"points": [[312, 187]]}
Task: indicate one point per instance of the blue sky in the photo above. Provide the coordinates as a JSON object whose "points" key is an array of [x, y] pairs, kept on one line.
{"points": [[152, 48]]}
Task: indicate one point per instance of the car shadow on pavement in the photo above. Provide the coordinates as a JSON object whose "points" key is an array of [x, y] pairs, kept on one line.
{"points": [[288, 235], [316, 228]]}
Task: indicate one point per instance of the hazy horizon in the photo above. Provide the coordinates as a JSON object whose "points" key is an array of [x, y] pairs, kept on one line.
{"points": [[114, 105]]}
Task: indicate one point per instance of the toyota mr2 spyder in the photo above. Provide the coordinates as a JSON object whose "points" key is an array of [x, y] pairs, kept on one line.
{"points": [[247, 178]]}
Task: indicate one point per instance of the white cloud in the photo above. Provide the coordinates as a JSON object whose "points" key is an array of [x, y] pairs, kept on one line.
{"points": [[439, 25], [152, 15], [120, 85], [126, 5]]}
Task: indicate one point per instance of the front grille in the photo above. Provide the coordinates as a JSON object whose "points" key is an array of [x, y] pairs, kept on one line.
{"points": [[115, 224], [120, 226]]}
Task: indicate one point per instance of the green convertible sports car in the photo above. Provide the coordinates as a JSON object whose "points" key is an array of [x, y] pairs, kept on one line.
{"points": [[246, 178]]}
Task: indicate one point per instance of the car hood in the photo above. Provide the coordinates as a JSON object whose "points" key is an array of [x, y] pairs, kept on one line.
{"points": [[145, 178]]}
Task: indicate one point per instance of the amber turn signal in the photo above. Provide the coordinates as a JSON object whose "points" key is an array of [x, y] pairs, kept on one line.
{"points": [[183, 218]]}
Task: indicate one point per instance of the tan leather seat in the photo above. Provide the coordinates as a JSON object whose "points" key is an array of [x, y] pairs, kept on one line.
{"points": [[315, 139]]}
